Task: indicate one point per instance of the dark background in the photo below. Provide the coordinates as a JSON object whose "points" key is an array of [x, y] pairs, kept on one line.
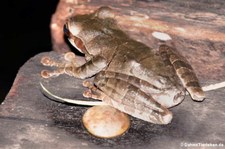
{"points": [[24, 32]]}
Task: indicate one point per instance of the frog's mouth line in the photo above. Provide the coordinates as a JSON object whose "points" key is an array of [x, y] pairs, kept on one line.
{"points": [[75, 41]]}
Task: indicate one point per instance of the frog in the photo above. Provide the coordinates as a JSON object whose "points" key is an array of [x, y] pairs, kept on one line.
{"points": [[128, 75]]}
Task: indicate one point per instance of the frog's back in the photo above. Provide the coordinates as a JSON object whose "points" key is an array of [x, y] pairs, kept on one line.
{"points": [[136, 59]]}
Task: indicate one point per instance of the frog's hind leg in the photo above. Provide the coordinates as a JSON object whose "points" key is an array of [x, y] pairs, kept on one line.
{"points": [[95, 93], [127, 98], [150, 89], [183, 70]]}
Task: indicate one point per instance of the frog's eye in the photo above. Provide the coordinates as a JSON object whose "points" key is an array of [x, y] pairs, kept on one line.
{"points": [[71, 30], [78, 44]]}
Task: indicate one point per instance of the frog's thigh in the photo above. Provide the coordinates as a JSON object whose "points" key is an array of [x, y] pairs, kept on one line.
{"points": [[131, 100], [183, 70]]}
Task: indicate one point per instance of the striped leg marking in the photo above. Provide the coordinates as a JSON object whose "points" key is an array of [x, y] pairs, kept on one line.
{"points": [[183, 70]]}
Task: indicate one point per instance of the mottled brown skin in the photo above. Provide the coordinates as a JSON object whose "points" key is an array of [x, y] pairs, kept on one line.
{"points": [[128, 75]]}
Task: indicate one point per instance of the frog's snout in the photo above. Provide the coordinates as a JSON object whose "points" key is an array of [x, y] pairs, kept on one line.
{"points": [[72, 28]]}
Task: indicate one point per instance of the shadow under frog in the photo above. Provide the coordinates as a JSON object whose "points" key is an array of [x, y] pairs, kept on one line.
{"points": [[128, 75]]}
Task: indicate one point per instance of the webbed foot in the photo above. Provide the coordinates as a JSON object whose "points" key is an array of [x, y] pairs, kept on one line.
{"points": [[65, 66]]}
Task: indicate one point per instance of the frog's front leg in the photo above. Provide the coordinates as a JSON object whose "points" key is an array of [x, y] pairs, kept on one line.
{"points": [[128, 98], [70, 67]]}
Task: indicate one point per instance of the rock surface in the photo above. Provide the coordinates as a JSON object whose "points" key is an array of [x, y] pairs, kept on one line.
{"points": [[28, 119]]}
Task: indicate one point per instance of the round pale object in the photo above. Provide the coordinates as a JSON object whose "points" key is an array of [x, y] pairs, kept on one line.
{"points": [[161, 36], [105, 121]]}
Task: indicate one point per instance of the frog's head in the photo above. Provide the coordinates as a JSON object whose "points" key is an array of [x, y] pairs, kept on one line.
{"points": [[82, 29]]}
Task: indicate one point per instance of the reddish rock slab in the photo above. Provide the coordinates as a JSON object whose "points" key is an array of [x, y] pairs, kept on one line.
{"points": [[196, 27]]}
